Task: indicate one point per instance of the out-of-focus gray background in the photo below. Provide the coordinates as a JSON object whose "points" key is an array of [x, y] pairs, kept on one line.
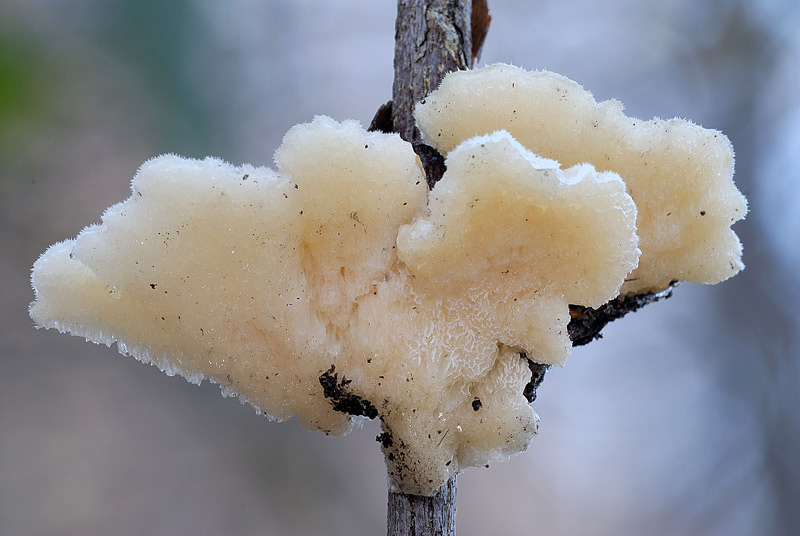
{"points": [[684, 419]]}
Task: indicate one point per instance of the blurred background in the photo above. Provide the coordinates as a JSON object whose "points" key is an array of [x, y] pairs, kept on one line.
{"points": [[683, 419]]}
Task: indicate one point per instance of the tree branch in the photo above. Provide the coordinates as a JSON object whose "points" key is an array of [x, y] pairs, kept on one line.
{"points": [[433, 38], [413, 515]]}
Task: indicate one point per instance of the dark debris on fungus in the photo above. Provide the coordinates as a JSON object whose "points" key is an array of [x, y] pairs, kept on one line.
{"points": [[341, 398]]}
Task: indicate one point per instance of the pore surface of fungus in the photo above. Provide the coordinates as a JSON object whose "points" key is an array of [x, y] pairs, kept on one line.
{"points": [[679, 174], [337, 288]]}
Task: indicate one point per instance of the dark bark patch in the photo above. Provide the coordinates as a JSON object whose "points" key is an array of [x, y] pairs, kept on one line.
{"points": [[341, 398], [586, 323], [385, 439], [382, 122], [480, 21], [432, 162], [537, 377]]}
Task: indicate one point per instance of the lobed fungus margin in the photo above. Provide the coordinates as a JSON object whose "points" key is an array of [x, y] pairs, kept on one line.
{"points": [[679, 174], [337, 287]]}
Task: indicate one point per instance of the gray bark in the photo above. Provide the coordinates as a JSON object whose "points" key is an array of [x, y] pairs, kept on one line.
{"points": [[413, 515], [432, 38]]}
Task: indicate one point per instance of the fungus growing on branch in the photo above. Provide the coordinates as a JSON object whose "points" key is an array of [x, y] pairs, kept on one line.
{"points": [[333, 289], [679, 174], [338, 288]]}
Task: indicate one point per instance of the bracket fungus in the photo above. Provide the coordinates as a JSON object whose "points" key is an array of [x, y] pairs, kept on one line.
{"points": [[338, 288], [679, 174]]}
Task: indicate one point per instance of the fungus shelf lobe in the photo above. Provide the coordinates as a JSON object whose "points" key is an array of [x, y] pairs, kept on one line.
{"points": [[679, 174], [333, 289]]}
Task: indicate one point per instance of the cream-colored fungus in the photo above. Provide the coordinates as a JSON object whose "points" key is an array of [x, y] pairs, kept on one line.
{"points": [[679, 174], [333, 289]]}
